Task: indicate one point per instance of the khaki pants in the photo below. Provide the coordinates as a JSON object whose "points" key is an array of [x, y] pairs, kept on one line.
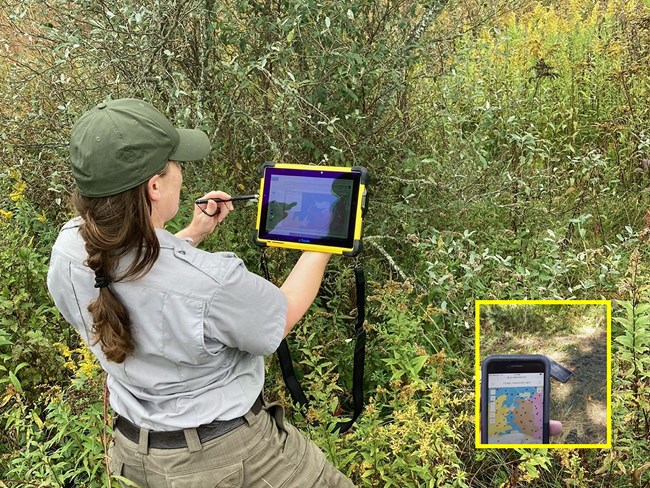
{"points": [[264, 452]]}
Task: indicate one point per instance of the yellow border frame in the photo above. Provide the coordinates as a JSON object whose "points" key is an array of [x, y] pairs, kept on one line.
{"points": [[314, 247], [477, 366]]}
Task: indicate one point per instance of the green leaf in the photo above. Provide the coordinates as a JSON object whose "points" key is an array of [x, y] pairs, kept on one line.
{"points": [[418, 363], [626, 340], [14, 381], [124, 481]]}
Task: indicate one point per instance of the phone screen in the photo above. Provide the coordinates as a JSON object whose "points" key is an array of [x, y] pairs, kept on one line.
{"points": [[515, 408]]}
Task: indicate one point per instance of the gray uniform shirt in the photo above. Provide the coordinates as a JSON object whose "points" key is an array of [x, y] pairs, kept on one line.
{"points": [[201, 323]]}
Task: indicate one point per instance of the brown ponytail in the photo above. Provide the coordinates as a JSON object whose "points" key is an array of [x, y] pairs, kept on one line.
{"points": [[113, 227]]}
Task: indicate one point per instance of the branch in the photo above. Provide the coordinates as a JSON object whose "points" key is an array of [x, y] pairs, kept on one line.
{"points": [[410, 182], [389, 258], [422, 26], [372, 241]]}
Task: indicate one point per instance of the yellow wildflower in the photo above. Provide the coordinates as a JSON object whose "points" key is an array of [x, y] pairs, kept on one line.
{"points": [[88, 366], [371, 409], [19, 191], [67, 354]]}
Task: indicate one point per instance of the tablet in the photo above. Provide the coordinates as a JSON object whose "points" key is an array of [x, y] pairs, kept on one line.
{"points": [[312, 208]]}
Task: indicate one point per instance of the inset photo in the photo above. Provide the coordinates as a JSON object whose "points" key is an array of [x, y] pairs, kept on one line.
{"points": [[543, 373]]}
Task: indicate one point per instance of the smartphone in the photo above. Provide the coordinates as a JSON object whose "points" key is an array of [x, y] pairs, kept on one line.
{"points": [[515, 399]]}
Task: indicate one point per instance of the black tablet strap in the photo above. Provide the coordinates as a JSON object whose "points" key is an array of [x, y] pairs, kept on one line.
{"points": [[359, 350], [289, 375], [286, 364]]}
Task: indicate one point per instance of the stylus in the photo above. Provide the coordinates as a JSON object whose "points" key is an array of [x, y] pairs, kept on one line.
{"points": [[232, 199]]}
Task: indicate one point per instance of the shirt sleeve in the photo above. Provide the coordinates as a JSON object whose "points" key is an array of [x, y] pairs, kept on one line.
{"points": [[247, 312]]}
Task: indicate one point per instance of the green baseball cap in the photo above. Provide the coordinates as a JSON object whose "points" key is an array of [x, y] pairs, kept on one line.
{"points": [[120, 144]]}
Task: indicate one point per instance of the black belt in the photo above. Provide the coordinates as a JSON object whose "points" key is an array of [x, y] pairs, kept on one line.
{"points": [[175, 439]]}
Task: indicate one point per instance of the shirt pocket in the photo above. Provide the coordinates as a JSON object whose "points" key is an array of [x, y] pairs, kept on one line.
{"points": [[182, 337]]}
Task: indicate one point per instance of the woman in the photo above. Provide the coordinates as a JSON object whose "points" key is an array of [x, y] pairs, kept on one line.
{"points": [[180, 332]]}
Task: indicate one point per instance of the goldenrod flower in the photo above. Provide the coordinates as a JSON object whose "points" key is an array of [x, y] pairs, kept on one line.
{"points": [[88, 366], [19, 191]]}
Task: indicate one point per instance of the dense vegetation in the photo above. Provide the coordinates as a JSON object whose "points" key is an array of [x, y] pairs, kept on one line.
{"points": [[509, 147]]}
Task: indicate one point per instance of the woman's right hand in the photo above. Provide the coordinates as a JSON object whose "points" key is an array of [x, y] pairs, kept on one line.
{"points": [[207, 217]]}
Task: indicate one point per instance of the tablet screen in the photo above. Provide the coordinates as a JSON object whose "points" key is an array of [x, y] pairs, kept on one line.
{"points": [[309, 206]]}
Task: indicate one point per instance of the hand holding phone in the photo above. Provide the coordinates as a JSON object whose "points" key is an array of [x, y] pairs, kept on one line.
{"points": [[515, 399]]}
